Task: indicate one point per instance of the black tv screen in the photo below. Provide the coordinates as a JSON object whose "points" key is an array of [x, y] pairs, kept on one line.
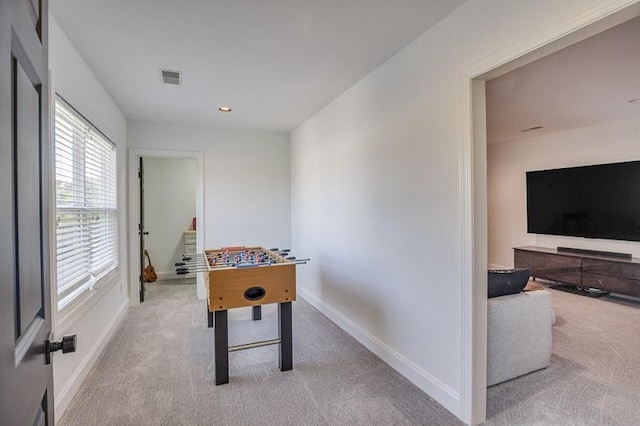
{"points": [[600, 201]]}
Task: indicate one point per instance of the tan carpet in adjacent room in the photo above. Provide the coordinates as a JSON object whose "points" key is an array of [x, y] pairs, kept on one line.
{"points": [[594, 377]]}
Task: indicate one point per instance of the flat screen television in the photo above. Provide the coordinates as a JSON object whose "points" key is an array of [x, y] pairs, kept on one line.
{"points": [[600, 201]]}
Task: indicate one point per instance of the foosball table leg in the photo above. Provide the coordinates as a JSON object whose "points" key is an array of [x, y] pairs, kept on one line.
{"points": [[209, 317], [221, 343], [285, 354], [257, 313]]}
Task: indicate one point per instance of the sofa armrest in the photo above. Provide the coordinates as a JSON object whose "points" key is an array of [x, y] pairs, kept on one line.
{"points": [[518, 335]]}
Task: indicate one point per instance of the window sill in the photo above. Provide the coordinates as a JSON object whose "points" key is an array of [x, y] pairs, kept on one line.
{"points": [[76, 309]]}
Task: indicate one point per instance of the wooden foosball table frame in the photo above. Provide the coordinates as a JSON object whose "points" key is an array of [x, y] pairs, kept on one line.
{"points": [[244, 285]]}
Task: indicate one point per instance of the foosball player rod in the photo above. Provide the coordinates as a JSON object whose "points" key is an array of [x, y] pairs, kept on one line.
{"points": [[185, 271], [203, 268], [259, 265], [181, 270], [295, 261], [188, 265], [191, 262]]}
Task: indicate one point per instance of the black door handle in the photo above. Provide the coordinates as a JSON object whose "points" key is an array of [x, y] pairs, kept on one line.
{"points": [[66, 344]]}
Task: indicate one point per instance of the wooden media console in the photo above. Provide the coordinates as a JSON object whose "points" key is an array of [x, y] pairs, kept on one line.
{"points": [[589, 269]]}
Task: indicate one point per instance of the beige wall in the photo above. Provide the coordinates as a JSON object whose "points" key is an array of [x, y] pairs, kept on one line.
{"points": [[378, 192], [95, 321], [247, 193], [170, 206], [507, 164]]}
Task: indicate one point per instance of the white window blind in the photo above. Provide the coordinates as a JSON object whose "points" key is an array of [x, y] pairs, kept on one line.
{"points": [[86, 204]]}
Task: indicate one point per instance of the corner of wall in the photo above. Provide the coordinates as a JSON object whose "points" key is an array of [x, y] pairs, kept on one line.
{"points": [[426, 382]]}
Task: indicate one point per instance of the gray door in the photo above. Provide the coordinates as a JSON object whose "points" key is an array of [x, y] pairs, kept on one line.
{"points": [[26, 386]]}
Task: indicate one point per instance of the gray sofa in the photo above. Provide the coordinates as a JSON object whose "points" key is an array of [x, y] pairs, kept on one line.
{"points": [[518, 334]]}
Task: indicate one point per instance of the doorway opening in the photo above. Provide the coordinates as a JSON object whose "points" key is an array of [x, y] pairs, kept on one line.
{"points": [[481, 238], [166, 219]]}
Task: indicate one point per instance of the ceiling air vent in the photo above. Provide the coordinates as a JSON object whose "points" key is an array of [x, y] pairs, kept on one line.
{"points": [[171, 77]]}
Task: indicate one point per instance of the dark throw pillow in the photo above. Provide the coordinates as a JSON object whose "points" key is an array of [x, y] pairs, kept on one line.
{"points": [[507, 281]]}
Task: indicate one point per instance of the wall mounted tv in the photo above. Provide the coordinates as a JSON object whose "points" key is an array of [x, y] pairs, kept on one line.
{"points": [[600, 201]]}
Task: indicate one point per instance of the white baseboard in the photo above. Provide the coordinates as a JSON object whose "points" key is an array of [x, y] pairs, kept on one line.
{"points": [[427, 383], [67, 393]]}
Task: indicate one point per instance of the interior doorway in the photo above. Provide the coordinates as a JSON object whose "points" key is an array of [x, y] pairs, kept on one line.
{"points": [[476, 155], [166, 217]]}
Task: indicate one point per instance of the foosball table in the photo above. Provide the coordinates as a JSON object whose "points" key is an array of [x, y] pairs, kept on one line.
{"points": [[237, 277]]}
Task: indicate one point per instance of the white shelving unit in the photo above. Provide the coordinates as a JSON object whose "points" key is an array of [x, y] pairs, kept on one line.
{"points": [[189, 240]]}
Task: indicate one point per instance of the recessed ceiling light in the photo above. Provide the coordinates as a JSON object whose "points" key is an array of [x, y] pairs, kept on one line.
{"points": [[224, 109], [634, 101], [532, 128]]}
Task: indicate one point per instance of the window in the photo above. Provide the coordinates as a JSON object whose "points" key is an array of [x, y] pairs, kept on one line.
{"points": [[86, 204]]}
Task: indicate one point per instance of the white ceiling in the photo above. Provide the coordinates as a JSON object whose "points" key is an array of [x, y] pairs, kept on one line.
{"points": [[275, 62], [587, 83]]}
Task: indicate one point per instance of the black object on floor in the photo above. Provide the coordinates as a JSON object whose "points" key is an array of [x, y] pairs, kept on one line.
{"points": [[580, 290]]}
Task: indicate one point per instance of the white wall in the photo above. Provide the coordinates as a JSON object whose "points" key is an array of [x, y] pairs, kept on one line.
{"points": [[507, 163], [96, 320], [247, 179], [170, 205], [377, 192]]}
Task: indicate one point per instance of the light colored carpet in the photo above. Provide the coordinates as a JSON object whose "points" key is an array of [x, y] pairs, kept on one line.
{"points": [[594, 377], [158, 370]]}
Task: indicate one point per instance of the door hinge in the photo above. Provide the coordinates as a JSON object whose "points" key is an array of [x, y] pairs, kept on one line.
{"points": [[139, 174]]}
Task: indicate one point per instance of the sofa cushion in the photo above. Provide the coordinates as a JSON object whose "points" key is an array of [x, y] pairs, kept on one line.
{"points": [[507, 281]]}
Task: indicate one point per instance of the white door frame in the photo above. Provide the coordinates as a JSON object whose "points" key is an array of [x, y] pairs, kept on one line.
{"points": [[134, 213], [604, 14]]}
